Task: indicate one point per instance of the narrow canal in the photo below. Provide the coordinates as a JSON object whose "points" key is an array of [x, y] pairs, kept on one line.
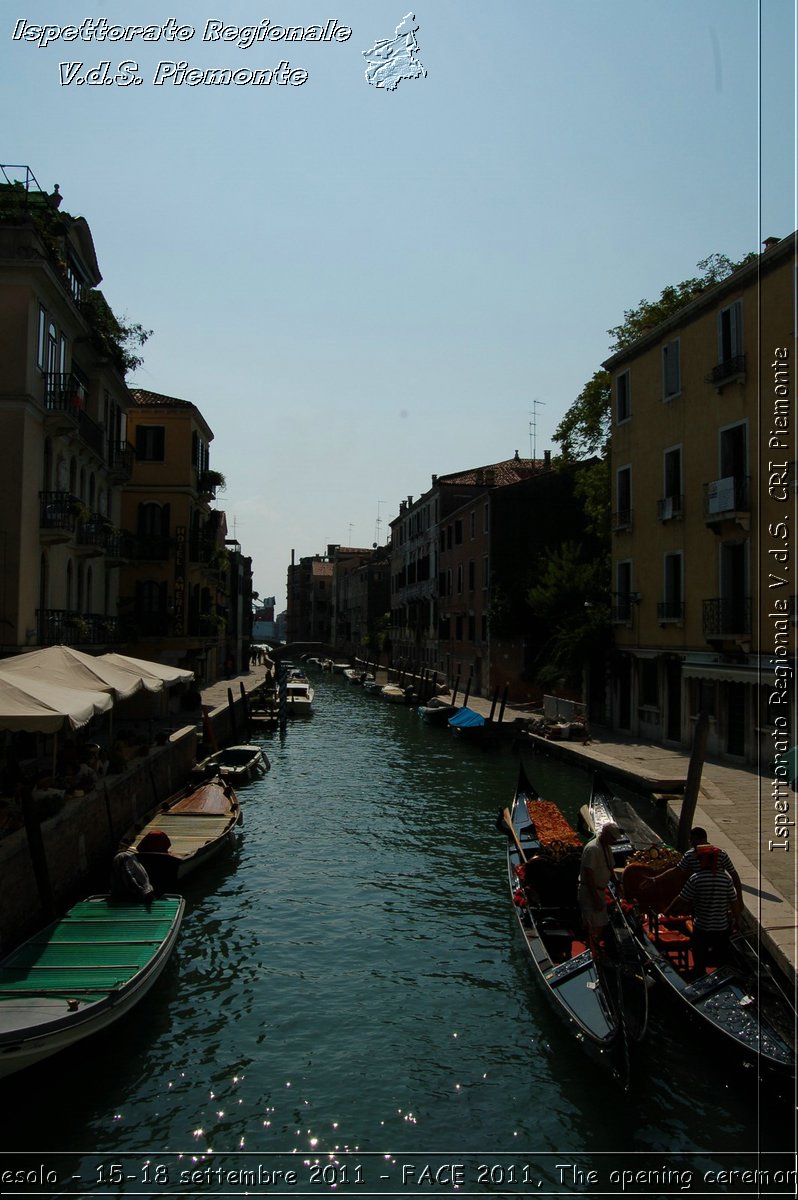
{"points": [[350, 997]]}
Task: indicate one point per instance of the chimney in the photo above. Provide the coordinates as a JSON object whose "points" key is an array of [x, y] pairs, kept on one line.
{"points": [[547, 460], [409, 501], [434, 480], [517, 457], [769, 243]]}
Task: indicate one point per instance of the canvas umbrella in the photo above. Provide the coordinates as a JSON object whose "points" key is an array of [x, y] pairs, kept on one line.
{"points": [[35, 706], [146, 669], [66, 667]]}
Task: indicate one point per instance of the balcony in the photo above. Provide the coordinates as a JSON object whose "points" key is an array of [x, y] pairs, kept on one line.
{"points": [[200, 549], [91, 536], [726, 371], [622, 520], [727, 619], [120, 547], [670, 611], [622, 609], [67, 627], [57, 516], [91, 434], [728, 499], [670, 508], [64, 400], [120, 461]]}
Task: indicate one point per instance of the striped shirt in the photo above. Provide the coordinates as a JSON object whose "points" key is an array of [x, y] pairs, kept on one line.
{"points": [[690, 862], [710, 894]]}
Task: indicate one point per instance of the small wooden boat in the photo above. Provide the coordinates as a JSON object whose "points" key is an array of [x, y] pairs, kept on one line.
{"points": [[185, 831], [393, 694], [80, 974], [467, 723], [602, 997], [372, 685], [239, 764], [741, 1002], [436, 712]]}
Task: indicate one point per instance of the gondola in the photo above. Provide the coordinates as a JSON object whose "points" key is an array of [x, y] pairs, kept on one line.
{"points": [[81, 974], [600, 992], [740, 1002], [186, 831]]}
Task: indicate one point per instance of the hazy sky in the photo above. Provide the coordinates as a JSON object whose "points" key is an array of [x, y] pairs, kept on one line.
{"points": [[361, 287]]}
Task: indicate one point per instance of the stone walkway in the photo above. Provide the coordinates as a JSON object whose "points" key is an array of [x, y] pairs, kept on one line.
{"points": [[735, 806]]}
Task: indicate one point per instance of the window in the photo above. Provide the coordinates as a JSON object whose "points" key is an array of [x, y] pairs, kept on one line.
{"points": [[671, 374], [458, 533], [622, 609], [730, 332], [471, 575], [623, 397], [150, 443], [672, 609], [485, 573], [485, 519], [471, 628], [459, 579], [41, 352], [672, 497], [473, 525], [623, 512]]}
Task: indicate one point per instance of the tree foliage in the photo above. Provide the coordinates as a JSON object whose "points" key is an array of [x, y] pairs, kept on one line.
{"points": [[120, 340], [571, 599]]}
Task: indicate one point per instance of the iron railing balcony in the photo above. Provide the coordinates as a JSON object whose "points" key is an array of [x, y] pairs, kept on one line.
{"points": [[120, 461], [622, 519], [670, 508], [91, 534], [67, 627], [727, 617], [58, 513], [621, 611], [200, 549], [120, 546], [64, 393], [730, 368], [670, 610], [91, 434]]}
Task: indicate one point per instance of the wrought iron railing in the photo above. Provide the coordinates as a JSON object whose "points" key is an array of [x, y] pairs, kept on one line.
{"points": [[670, 610], [57, 510], [728, 369], [727, 618], [63, 392], [622, 519]]}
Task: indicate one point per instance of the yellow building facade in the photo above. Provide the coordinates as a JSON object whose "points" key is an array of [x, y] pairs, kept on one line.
{"points": [[174, 588], [704, 515]]}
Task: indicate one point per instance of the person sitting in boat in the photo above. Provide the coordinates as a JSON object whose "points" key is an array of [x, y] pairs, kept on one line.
{"points": [[129, 879], [595, 872], [711, 895], [690, 862]]}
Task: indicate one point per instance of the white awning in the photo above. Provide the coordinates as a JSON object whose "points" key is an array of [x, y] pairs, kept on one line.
{"points": [[728, 673]]}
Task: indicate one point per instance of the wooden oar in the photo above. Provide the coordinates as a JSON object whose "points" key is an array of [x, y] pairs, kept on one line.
{"points": [[509, 823]]}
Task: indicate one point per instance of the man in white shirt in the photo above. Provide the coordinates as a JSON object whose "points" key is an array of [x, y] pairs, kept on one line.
{"points": [[595, 872]]}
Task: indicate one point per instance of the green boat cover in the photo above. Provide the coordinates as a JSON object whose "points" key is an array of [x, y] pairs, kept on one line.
{"points": [[97, 947]]}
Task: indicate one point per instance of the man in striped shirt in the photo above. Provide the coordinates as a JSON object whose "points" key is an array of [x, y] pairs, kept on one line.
{"points": [[690, 862], [712, 896]]}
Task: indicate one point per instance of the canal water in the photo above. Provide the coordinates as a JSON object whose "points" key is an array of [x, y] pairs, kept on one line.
{"points": [[349, 1010]]}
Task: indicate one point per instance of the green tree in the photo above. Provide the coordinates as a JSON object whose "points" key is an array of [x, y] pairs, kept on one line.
{"points": [[571, 600]]}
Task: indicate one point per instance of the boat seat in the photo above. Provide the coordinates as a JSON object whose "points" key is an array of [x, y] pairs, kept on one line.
{"points": [[674, 939]]}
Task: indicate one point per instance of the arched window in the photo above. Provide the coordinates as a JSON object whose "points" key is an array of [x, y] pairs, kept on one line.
{"points": [[69, 581]]}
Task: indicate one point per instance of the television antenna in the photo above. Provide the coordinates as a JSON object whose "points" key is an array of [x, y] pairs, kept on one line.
{"points": [[378, 525], [533, 427]]}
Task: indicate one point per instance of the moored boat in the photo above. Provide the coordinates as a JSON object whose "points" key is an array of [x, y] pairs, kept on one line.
{"points": [[299, 696], [467, 723], [436, 712], [239, 764], [185, 831], [393, 693], [601, 996], [80, 974], [741, 1002]]}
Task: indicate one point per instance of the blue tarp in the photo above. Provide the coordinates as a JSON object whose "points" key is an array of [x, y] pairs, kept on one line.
{"points": [[466, 719]]}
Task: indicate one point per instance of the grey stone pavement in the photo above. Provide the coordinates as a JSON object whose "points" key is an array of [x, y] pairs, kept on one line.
{"points": [[735, 805]]}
